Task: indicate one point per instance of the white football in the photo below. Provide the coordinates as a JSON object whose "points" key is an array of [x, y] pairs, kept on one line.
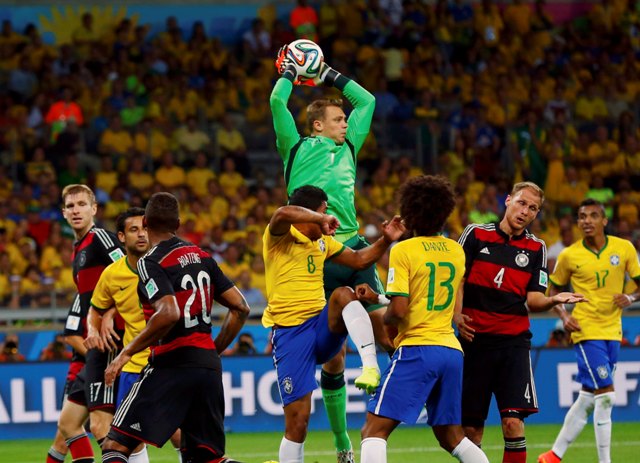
{"points": [[307, 57]]}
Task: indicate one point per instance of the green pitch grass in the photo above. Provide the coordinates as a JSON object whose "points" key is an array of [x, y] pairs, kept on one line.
{"points": [[406, 445]]}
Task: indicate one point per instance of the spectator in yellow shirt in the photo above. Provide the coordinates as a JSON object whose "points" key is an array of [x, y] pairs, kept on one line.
{"points": [[229, 179], [116, 141], [200, 174], [590, 107], [231, 143], [190, 139], [169, 175]]}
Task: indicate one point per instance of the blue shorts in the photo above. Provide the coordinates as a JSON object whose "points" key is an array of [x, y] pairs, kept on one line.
{"points": [[596, 363], [125, 383], [419, 376], [296, 352]]}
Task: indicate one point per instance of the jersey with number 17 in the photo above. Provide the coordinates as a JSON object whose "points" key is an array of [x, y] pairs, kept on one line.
{"points": [[177, 268], [428, 271], [597, 276]]}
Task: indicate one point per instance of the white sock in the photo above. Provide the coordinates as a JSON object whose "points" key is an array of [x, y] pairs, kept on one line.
{"points": [[574, 422], [179, 455], [358, 324], [140, 457], [373, 450], [602, 424], [291, 452], [468, 452]]}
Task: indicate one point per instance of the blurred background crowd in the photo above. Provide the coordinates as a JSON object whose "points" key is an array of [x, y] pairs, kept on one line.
{"points": [[482, 93]]}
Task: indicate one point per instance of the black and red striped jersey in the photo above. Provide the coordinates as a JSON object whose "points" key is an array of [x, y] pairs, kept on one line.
{"points": [[500, 271], [91, 255], [177, 268]]}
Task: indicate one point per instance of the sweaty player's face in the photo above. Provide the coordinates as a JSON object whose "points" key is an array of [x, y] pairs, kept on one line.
{"points": [[591, 221], [79, 210], [334, 124], [522, 209], [135, 237]]}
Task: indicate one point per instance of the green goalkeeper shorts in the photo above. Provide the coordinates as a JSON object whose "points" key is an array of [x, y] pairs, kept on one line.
{"points": [[336, 275]]}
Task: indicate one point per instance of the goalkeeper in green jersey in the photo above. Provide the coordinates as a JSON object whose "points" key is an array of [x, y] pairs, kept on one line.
{"points": [[327, 159]]}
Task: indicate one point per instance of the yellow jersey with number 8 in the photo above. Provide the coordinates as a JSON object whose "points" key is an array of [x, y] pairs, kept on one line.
{"points": [[427, 270]]}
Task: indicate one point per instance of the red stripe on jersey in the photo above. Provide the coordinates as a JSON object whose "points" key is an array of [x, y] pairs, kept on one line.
{"points": [[511, 281], [86, 241], [173, 258], [497, 323], [200, 340], [88, 278], [488, 236]]}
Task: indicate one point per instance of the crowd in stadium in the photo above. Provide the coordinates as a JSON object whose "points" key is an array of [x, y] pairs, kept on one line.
{"points": [[500, 94]]}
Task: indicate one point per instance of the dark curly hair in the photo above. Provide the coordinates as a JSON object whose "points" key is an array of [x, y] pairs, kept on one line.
{"points": [[425, 204]]}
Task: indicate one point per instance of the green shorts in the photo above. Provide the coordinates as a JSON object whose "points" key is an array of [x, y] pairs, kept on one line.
{"points": [[336, 275]]}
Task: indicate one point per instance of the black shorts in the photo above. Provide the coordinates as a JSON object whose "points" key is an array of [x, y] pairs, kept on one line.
{"points": [[89, 388], [507, 374], [167, 398]]}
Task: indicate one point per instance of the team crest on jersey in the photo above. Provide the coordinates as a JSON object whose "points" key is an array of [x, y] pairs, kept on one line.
{"points": [[614, 259], [82, 258], [287, 385], [322, 245], [151, 288], [522, 260], [603, 372]]}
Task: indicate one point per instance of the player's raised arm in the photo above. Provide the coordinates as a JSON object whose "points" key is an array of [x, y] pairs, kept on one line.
{"points": [[286, 216], [283, 122], [392, 231]]}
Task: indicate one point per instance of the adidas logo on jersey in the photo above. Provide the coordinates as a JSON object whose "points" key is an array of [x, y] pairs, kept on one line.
{"points": [[136, 426], [484, 251]]}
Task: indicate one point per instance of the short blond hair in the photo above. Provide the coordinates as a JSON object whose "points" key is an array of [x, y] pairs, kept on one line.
{"points": [[75, 189], [518, 187]]}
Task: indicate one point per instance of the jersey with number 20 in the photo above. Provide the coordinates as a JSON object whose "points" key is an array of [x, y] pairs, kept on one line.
{"points": [[427, 270], [177, 268]]}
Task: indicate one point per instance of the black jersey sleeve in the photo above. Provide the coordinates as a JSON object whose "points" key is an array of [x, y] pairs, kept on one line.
{"points": [[75, 323], [539, 274], [468, 241], [154, 282]]}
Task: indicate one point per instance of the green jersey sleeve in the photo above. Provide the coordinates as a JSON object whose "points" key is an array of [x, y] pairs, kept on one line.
{"points": [[359, 120], [285, 126]]}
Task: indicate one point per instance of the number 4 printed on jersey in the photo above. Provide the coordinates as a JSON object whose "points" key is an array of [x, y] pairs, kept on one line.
{"points": [[499, 277]]}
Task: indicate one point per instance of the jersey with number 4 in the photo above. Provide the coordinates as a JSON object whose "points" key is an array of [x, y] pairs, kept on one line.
{"points": [[598, 276], [501, 270], [177, 268], [427, 270]]}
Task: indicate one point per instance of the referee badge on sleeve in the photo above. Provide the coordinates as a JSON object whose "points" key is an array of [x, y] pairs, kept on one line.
{"points": [[151, 288], [544, 279]]}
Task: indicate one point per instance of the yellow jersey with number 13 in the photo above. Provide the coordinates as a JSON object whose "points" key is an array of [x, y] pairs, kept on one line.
{"points": [[427, 270], [598, 276]]}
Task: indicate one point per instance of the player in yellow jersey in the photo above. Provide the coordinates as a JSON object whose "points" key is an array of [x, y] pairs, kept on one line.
{"points": [[596, 267], [424, 282], [116, 290], [306, 330]]}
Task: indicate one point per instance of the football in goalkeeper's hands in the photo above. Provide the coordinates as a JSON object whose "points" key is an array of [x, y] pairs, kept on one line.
{"points": [[307, 57]]}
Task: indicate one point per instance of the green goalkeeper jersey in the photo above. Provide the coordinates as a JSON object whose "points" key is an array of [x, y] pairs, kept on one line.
{"points": [[318, 160]]}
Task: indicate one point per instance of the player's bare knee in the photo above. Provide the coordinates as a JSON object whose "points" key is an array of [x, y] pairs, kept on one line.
{"points": [[448, 436], [474, 434], [109, 444], [512, 426], [343, 295]]}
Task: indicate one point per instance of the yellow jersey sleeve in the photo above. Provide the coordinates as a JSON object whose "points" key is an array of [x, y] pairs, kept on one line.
{"points": [[561, 272], [101, 298]]}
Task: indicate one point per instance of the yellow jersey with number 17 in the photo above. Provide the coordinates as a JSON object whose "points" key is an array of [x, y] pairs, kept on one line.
{"points": [[427, 270], [118, 287], [597, 276], [294, 275]]}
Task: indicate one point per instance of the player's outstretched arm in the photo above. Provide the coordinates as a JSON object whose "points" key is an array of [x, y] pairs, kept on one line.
{"points": [[538, 302], [283, 122], [392, 230], [233, 322], [167, 313], [569, 323], [286, 216]]}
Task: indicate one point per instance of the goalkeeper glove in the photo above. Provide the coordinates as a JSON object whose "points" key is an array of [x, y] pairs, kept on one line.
{"points": [[284, 64], [327, 75]]}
